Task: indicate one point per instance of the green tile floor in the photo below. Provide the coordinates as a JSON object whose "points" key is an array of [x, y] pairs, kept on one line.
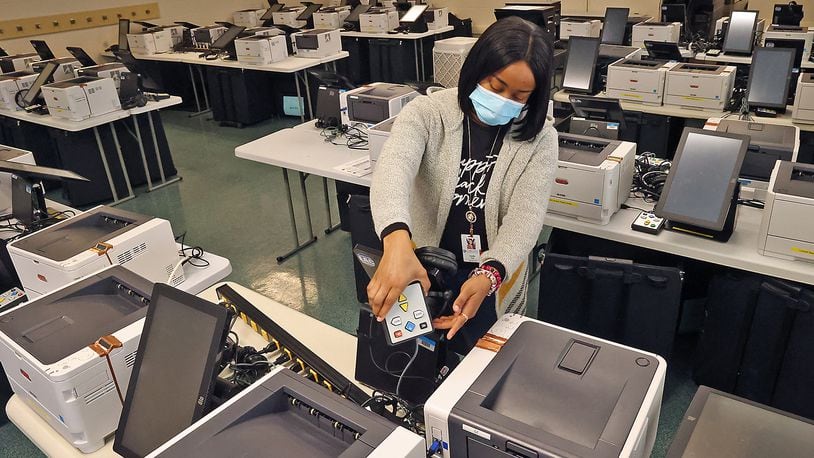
{"points": [[237, 209]]}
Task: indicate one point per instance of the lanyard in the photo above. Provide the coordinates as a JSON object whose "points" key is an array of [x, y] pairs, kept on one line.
{"points": [[471, 216]]}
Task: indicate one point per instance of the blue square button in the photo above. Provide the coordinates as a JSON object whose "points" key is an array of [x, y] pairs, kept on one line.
{"points": [[409, 326]]}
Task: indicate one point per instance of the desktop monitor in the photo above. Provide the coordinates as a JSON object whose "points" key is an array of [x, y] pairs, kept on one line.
{"points": [[663, 50], [124, 29], [84, 59], [740, 34], [33, 92], [309, 11], [174, 371], [228, 37], [787, 14], [598, 108], [27, 195], [674, 12], [613, 26], [580, 65], [42, 49], [702, 178], [769, 77]]}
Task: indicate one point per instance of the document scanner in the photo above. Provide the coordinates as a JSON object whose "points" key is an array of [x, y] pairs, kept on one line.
{"points": [[699, 86], [768, 143], [578, 27], [18, 62], [112, 70], [12, 83], [71, 249], [666, 32], [374, 103], [804, 99], [261, 49], [81, 98], [19, 156], [284, 414], [317, 43], [150, 42], [47, 351], [788, 215], [593, 177], [533, 389], [331, 18], [636, 80], [66, 67]]}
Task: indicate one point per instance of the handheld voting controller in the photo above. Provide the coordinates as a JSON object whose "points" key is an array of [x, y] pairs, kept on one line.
{"points": [[409, 317]]}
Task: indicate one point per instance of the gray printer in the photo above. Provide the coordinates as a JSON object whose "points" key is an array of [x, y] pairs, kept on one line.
{"points": [[533, 389], [374, 104], [768, 143], [284, 414]]}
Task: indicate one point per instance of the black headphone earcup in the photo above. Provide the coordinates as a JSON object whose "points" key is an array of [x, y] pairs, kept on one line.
{"points": [[443, 259]]}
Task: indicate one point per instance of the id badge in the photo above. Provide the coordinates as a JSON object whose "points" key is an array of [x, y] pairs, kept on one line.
{"points": [[470, 247]]}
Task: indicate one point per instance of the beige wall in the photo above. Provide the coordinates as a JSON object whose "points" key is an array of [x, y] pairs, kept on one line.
{"points": [[96, 39], [766, 6], [482, 11]]}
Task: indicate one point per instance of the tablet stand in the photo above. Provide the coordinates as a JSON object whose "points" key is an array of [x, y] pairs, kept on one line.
{"points": [[720, 236]]}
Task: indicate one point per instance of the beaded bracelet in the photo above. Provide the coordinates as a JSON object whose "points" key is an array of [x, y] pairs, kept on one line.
{"points": [[495, 272], [490, 276]]}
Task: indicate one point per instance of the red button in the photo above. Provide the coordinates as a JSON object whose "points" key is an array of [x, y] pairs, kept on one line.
{"points": [[561, 181], [25, 374], [397, 334]]}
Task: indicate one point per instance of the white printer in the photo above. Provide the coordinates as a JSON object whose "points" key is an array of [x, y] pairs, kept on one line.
{"points": [[18, 62], [532, 389], [19, 156], [288, 16], [576, 27], [264, 31], [52, 257], [150, 42], [261, 49], [636, 80], [112, 70], [248, 18], [668, 32], [176, 33], [317, 43], [379, 20], [776, 35], [281, 401], [11, 84], [788, 215], [436, 18], [66, 68], [376, 137], [699, 85], [331, 18], [373, 103], [205, 36], [81, 98], [47, 347], [593, 177], [803, 111]]}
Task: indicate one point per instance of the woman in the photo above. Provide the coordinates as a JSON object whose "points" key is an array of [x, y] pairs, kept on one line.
{"points": [[470, 170]]}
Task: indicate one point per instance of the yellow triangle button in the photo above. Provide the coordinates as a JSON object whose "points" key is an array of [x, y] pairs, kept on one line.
{"points": [[402, 298], [403, 306]]}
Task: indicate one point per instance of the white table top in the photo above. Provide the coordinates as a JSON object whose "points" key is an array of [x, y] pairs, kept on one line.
{"points": [[303, 149], [399, 36], [96, 121], [337, 348], [739, 252], [292, 64], [691, 113]]}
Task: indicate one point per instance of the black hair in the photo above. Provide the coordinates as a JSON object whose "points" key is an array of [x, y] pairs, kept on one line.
{"points": [[505, 42]]}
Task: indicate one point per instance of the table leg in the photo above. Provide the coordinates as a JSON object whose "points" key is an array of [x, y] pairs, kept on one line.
{"points": [[122, 165], [298, 246], [143, 154], [197, 97], [299, 96], [423, 64], [417, 71], [203, 89], [164, 180], [331, 226], [308, 94]]}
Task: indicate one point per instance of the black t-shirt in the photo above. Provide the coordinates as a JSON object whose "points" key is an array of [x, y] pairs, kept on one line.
{"points": [[473, 181]]}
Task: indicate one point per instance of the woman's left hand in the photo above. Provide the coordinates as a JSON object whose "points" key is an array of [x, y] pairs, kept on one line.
{"points": [[466, 306]]}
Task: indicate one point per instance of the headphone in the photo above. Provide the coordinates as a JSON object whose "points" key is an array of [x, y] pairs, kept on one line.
{"points": [[441, 265]]}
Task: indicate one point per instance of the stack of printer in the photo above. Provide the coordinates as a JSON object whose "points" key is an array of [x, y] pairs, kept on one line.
{"points": [[699, 86], [81, 98], [71, 249], [47, 352], [593, 177], [636, 80]]}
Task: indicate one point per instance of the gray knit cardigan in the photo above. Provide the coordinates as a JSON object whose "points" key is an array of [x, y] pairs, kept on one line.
{"points": [[416, 174]]}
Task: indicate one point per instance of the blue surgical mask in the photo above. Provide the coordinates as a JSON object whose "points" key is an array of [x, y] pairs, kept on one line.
{"points": [[494, 109]]}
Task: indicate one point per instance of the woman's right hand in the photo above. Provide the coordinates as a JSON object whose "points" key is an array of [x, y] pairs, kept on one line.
{"points": [[398, 268]]}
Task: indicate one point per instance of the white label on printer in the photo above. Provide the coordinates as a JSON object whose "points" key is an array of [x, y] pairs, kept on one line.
{"points": [[477, 432]]}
